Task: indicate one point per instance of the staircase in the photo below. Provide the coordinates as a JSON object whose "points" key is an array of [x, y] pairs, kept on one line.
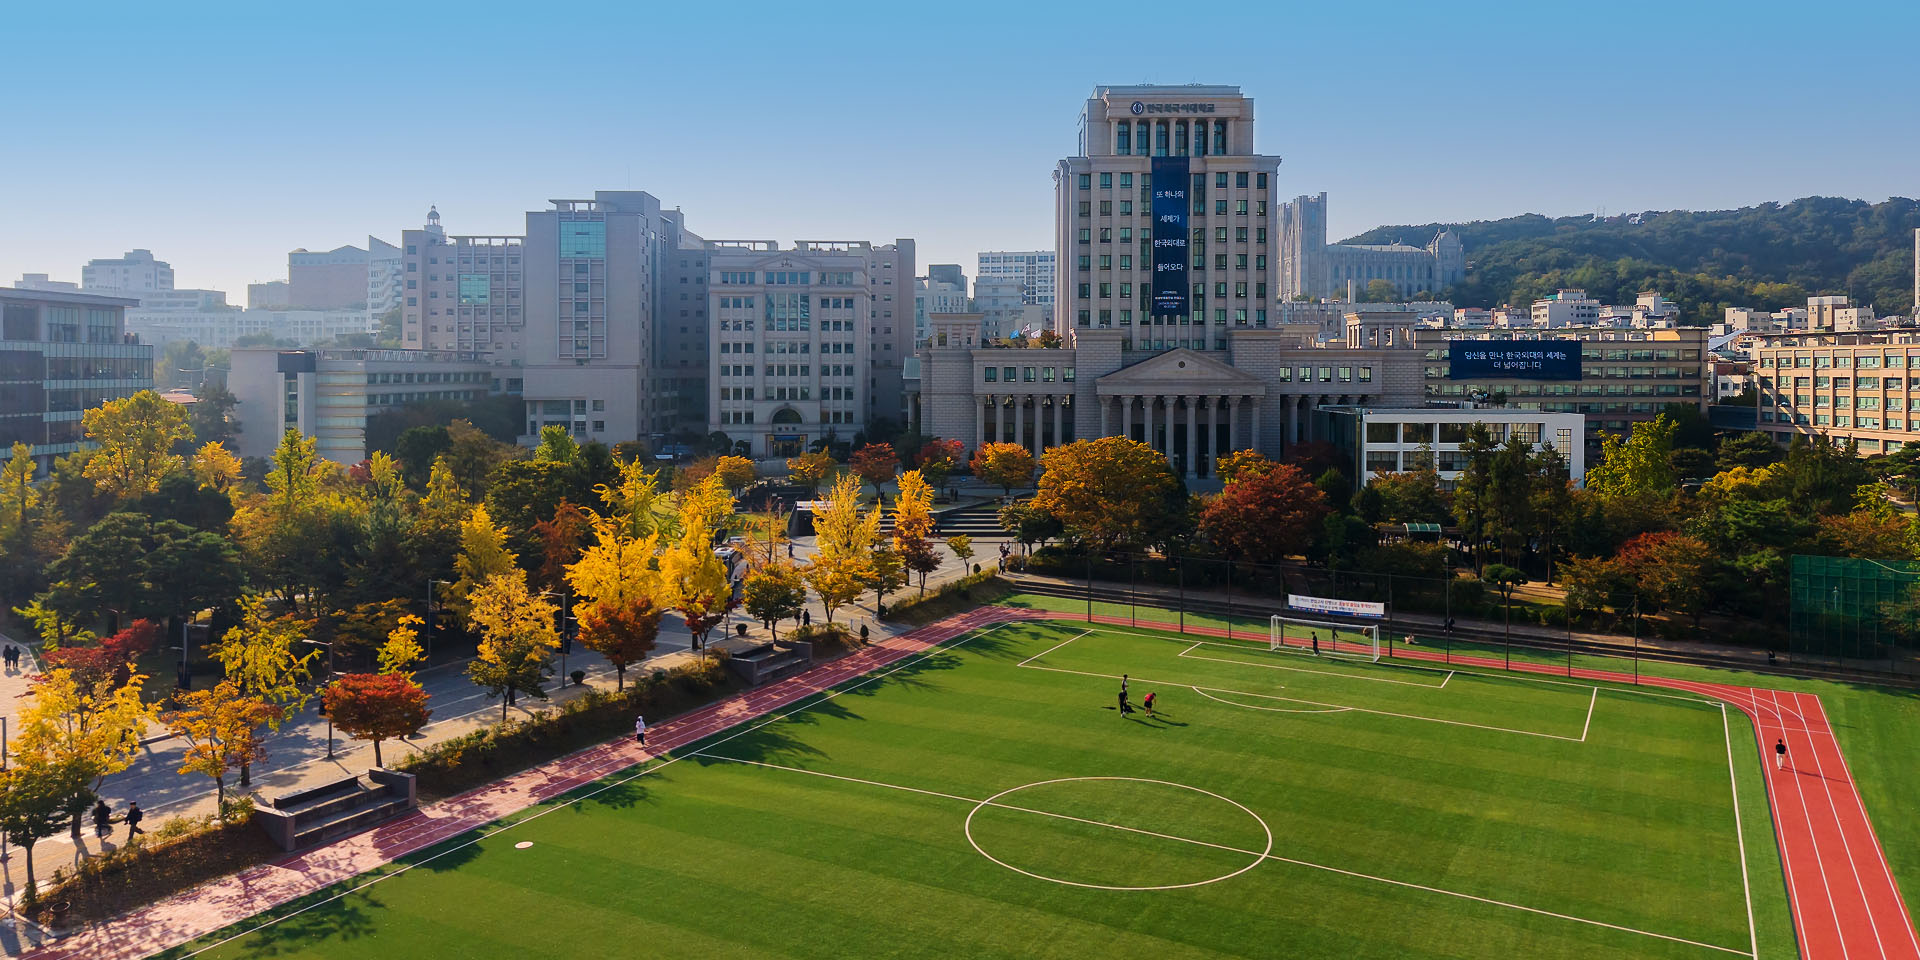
{"points": [[329, 812], [979, 520]]}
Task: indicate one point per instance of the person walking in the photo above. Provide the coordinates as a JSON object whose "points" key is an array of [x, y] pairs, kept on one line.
{"points": [[134, 816], [1780, 753], [806, 618], [102, 819], [640, 730]]}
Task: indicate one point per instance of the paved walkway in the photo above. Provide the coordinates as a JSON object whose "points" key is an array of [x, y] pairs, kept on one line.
{"points": [[1844, 900]]}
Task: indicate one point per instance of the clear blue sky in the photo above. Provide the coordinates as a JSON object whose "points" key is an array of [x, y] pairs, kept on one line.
{"points": [[224, 135]]}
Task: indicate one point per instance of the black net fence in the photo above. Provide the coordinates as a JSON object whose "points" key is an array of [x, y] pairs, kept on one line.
{"points": [[1851, 608]]}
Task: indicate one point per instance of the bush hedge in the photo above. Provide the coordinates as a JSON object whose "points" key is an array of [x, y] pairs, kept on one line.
{"points": [[951, 597], [461, 763], [178, 854]]}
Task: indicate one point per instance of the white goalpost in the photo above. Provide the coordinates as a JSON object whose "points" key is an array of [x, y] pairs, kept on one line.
{"points": [[1359, 641]]}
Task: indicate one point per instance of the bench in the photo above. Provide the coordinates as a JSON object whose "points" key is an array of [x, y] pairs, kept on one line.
{"points": [[767, 662]]}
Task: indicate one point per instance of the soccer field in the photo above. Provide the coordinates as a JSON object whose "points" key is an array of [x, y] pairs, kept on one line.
{"points": [[987, 799]]}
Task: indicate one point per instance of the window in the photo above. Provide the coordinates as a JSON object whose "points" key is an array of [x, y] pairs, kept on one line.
{"points": [[1086, 181], [1106, 181], [583, 238]]}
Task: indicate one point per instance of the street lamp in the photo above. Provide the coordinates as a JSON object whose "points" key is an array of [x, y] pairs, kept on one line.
{"points": [[566, 637], [323, 693], [430, 583]]}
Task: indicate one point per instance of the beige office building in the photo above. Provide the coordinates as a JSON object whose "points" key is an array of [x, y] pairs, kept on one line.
{"points": [[807, 343], [1855, 387]]}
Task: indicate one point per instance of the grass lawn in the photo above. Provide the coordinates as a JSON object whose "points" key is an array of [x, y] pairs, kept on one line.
{"points": [[987, 800]]}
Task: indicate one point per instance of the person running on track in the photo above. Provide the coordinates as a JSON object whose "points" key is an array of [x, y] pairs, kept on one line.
{"points": [[1316, 643], [640, 729], [1780, 753]]}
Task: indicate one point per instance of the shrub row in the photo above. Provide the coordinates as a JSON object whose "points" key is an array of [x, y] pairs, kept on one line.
{"points": [[461, 763], [178, 854], [951, 597]]}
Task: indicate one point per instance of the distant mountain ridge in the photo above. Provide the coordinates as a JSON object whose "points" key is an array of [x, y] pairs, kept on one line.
{"points": [[1773, 255]]}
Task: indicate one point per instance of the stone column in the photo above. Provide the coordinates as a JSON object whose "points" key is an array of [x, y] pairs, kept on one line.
{"points": [[1146, 408], [1126, 417], [1233, 424], [1058, 437], [1193, 449], [1306, 420], [1105, 403], [1039, 425], [1213, 432], [1254, 405], [1020, 420], [1293, 421], [980, 423]]}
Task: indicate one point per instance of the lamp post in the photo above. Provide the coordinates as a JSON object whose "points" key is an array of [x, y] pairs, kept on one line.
{"points": [[430, 583], [323, 693], [566, 637]]}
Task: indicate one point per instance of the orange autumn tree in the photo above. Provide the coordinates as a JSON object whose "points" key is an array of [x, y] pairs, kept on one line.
{"points": [[1005, 465], [1112, 492], [875, 463], [377, 707], [222, 729], [1265, 515], [623, 631]]}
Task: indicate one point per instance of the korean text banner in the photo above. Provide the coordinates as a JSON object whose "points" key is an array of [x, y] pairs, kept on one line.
{"points": [[1513, 359], [1170, 185]]}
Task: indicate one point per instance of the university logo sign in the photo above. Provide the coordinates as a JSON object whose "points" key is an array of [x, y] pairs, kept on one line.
{"points": [[1139, 108]]}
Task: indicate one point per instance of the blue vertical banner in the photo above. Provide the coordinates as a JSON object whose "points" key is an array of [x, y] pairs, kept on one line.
{"points": [[1170, 184]]}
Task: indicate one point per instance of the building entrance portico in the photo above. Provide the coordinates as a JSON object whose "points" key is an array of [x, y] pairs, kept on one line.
{"points": [[1184, 404]]}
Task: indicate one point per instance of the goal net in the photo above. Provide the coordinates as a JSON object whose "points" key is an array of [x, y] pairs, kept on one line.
{"points": [[1327, 638]]}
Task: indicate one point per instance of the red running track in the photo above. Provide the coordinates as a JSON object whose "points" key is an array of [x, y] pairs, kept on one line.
{"points": [[1845, 904]]}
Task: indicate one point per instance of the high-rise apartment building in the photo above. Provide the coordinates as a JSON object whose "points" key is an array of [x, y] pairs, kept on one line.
{"points": [[1165, 219], [134, 275], [808, 343], [1032, 269], [940, 293]]}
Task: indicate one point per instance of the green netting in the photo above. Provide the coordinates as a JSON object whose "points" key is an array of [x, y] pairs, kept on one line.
{"points": [[1849, 607]]}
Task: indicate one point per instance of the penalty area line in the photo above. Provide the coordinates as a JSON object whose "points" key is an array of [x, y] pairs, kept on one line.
{"points": [[1405, 884]]}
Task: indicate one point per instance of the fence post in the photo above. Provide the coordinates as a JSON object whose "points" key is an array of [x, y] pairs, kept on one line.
{"points": [[1446, 592], [1230, 566], [1389, 616], [1181, 571], [1133, 591], [1089, 588], [1636, 639]]}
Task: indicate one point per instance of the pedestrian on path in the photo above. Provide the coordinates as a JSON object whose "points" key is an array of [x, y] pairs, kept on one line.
{"points": [[1780, 753], [12, 658], [806, 618], [134, 817], [102, 819], [640, 730]]}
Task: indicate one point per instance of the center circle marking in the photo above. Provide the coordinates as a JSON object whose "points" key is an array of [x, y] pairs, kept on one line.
{"points": [[994, 801]]}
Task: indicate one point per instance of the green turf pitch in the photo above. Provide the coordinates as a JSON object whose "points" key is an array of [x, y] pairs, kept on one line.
{"points": [[988, 800]]}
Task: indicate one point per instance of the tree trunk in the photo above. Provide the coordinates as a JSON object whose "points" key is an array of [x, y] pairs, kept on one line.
{"points": [[620, 672], [28, 846], [246, 774], [220, 797], [376, 754]]}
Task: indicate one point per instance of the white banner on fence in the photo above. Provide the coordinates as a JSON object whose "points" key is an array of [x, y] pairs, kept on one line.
{"points": [[1345, 608]]}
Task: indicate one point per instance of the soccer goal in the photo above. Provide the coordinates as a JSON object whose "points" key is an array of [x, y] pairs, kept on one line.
{"points": [[1325, 637]]}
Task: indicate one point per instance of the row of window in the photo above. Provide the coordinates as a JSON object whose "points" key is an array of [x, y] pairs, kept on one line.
{"points": [[1198, 318], [1199, 292], [1845, 383], [1867, 361], [1025, 374], [1854, 403]]}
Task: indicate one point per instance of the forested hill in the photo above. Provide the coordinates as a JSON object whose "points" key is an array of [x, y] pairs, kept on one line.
{"points": [[1773, 255]]}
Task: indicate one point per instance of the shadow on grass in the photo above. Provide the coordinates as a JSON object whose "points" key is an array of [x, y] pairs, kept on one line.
{"points": [[295, 928]]}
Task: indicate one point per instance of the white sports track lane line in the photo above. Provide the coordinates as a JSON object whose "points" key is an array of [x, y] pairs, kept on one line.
{"points": [[1740, 834]]}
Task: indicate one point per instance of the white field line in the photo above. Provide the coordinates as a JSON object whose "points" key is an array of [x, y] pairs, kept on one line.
{"points": [[1397, 664], [1590, 704], [1232, 849], [1846, 845], [1340, 707], [1053, 648], [1203, 692], [964, 636], [1740, 834], [1444, 680], [1189, 654]]}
